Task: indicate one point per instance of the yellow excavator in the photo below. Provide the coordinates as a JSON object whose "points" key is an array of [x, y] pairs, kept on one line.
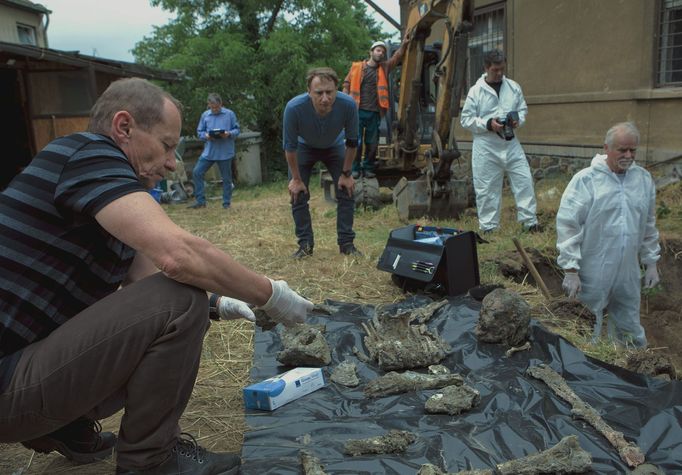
{"points": [[418, 147]]}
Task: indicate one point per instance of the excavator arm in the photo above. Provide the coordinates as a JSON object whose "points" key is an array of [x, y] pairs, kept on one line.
{"points": [[432, 79], [450, 75]]}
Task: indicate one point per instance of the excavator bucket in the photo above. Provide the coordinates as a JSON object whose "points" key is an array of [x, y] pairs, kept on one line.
{"points": [[416, 199]]}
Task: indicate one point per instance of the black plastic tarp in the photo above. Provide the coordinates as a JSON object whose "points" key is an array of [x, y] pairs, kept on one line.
{"points": [[517, 414]]}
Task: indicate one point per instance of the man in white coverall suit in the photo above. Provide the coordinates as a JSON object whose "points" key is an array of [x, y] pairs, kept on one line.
{"points": [[488, 102], [606, 226]]}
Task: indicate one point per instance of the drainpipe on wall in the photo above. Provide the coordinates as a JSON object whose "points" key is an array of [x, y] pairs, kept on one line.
{"points": [[47, 23]]}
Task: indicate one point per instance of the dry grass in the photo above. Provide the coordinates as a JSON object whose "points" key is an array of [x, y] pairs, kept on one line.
{"points": [[258, 231]]}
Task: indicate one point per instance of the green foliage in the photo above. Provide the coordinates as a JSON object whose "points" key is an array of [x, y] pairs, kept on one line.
{"points": [[652, 291], [662, 210], [281, 75], [255, 53], [212, 64]]}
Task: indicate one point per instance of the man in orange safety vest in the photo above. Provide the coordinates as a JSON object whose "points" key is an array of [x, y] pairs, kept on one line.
{"points": [[367, 83]]}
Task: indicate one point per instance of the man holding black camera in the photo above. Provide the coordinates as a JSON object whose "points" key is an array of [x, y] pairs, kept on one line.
{"points": [[218, 127], [494, 107]]}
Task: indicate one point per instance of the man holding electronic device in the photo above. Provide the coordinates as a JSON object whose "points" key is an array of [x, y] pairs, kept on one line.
{"points": [[494, 107], [219, 128]]}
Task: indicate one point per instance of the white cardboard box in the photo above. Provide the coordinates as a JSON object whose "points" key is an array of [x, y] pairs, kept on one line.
{"points": [[275, 392]]}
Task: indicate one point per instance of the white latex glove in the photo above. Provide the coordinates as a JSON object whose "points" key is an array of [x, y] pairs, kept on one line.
{"points": [[285, 305], [651, 276], [571, 284], [232, 309]]}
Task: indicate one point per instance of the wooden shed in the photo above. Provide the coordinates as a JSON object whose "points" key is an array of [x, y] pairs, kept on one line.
{"points": [[47, 93]]}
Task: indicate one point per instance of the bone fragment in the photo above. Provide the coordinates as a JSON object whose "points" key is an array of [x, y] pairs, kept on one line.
{"points": [[565, 457], [438, 369], [396, 383], [629, 452], [304, 345], [359, 354], [647, 469], [424, 314], [515, 349], [345, 374], [311, 464], [452, 400], [395, 442], [394, 344], [263, 320]]}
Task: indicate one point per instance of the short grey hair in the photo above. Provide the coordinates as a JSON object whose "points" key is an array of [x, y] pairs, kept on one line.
{"points": [[214, 98], [623, 128], [139, 97], [494, 56]]}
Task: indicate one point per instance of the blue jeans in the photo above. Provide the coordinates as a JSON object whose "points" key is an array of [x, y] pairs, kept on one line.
{"points": [[368, 135], [200, 169], [332, 158]]}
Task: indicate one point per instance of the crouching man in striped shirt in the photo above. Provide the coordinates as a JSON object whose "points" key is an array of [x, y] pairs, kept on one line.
{"points": [[88, 324]]}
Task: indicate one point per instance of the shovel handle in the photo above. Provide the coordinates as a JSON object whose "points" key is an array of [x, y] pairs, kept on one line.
{"points": [[532, 269]]}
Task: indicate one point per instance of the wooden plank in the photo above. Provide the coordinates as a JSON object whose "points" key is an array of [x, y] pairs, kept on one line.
{"points": [[46, 130]]}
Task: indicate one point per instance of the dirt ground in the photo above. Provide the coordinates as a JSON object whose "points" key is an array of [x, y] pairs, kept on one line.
{"points": [[661, 309]]}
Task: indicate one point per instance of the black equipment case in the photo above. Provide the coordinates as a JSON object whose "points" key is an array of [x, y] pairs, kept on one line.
{"points": [[440, 260]]}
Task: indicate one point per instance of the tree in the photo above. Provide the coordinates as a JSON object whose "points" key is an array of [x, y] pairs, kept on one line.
{"points": [[255, 54]]}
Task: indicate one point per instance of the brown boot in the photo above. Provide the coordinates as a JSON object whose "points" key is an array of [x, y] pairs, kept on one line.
{"points": [[81, 441]]}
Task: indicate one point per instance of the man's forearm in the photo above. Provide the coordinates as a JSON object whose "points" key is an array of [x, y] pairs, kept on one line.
{"points": [[397, 56], [198, 262], [292, 161], [138, 221], [225, 276], [349, 157]]}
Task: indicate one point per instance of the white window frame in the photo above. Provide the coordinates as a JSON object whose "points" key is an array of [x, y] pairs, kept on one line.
{"points": [[27, 31]]}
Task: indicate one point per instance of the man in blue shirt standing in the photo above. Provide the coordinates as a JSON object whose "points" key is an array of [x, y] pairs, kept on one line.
{"points": [[321, 126], [219, 128]]}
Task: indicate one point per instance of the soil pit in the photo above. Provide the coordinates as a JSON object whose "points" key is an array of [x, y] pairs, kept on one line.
{"points": [[661, 309]]}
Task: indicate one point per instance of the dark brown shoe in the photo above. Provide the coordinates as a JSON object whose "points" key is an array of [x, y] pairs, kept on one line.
{"points": [[304, 250], [82, 441], [189, 458], [349, 249]]}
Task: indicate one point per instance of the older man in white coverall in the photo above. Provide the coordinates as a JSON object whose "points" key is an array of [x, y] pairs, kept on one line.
{"points": [[606, 227], [496, 149]]}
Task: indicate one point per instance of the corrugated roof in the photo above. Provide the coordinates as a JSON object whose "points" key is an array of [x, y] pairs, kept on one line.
{"points": [[75, 59], [26, 5]]}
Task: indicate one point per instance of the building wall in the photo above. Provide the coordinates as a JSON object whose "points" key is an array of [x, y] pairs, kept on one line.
{"points": [[9, 17], [585, 65]]}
